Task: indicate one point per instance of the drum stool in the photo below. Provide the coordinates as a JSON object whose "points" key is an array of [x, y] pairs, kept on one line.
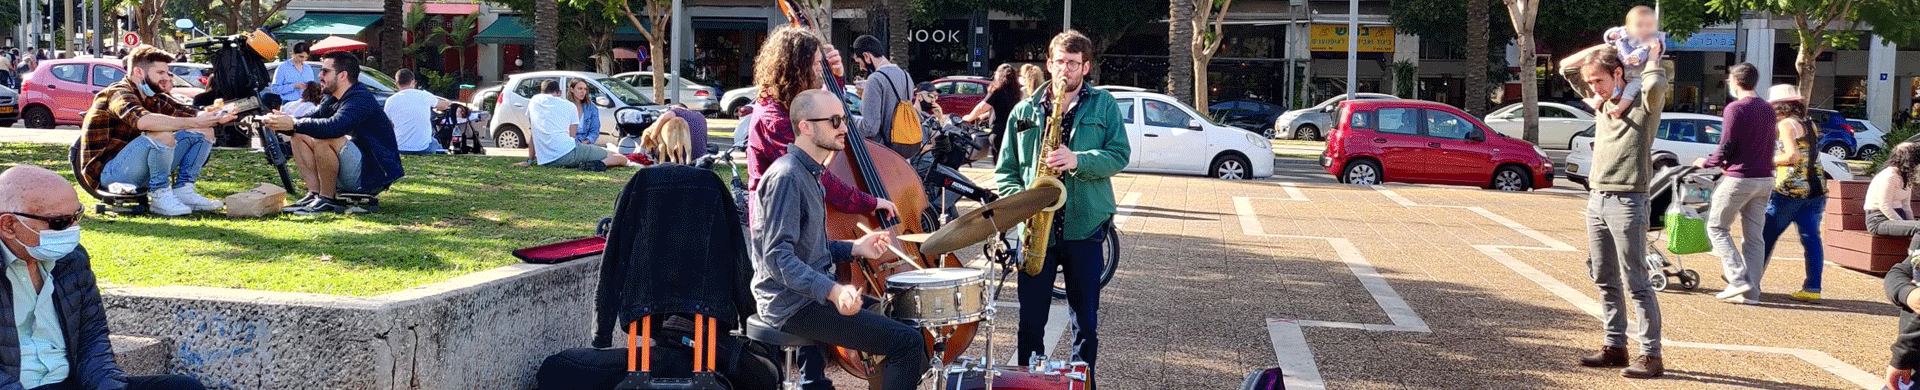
{"points": [[759, 330]]}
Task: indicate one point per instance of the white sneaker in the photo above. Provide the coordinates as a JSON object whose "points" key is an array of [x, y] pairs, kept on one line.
{"points": [[193, 200], [162, 201], [1733, 291]]}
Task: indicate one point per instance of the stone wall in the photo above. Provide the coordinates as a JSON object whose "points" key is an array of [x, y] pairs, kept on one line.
{"points": [[487, 330]]}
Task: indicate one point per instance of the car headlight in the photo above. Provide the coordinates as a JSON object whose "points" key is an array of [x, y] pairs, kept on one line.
{"points": [[1257, 141]]}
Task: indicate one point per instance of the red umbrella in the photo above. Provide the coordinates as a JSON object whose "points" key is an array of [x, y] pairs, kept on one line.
{"points": [[333, 44]]}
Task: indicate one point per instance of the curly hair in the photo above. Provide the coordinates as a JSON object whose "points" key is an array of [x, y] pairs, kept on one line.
{"points": [[1796, 111], [1902, 159], [784, 66], [1005, 77]]}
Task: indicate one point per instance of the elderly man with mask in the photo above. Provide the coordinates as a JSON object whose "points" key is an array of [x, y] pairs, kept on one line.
{"points": [[53, 334]]}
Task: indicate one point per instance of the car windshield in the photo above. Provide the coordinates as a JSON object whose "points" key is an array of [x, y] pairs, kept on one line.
{"points": [[381, 81], [625, 92]]}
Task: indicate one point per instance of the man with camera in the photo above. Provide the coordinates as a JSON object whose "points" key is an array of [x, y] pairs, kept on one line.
{"points": [[138, 136], [328, 162]]}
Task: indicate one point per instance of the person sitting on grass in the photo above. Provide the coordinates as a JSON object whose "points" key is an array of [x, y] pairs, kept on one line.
{"points": [[51, 298], [411, 111], [309, 102], [138, 136], [328, 163], [555, 123]]}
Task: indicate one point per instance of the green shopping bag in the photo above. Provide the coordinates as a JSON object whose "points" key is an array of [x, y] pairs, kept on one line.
{"points": [[1686, 234]]}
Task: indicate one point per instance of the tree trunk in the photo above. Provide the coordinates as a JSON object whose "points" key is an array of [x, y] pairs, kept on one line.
{"points": [[1523, 13], [1477, 61], [1803, 64], [1180, 58], [546, 39], [392, 44]]}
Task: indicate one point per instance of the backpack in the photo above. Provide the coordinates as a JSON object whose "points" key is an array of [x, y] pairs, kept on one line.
{"points": [[904, 133], [1269, 378]]}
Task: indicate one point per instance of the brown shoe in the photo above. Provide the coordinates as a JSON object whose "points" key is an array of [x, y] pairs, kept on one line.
{"points": [[1608, 357], [1645, 366]]}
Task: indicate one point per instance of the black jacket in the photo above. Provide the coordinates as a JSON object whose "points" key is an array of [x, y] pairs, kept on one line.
{"points": [[1906, 346], [676, 246], [82, 320], [357, 113]]}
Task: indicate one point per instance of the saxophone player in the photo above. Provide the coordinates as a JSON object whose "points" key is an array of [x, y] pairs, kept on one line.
{"points": [[1075, 133]]}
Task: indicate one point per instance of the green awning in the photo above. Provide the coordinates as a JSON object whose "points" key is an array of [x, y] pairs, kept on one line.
{"points": [[508, 31], [316, 25]]}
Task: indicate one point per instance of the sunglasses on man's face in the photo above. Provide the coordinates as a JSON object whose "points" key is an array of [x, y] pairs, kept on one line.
{"points": [[61, 222], [835, 120]]}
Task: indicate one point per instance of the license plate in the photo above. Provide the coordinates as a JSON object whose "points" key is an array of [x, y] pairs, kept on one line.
{"points": [[6, 110]]}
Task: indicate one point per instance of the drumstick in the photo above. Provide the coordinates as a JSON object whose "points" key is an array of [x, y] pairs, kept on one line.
{"points": [[896, 250]]}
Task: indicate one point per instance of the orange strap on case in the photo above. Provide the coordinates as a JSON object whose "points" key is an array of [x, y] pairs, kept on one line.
{"points": [[713, 348], [699, 344]]}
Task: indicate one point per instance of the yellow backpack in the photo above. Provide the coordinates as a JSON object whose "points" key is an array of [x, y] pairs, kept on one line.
{"points": [[905, 129]]}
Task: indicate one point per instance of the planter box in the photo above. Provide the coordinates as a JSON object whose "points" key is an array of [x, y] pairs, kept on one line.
{"points": [[1853, 221], [1864, 251]]}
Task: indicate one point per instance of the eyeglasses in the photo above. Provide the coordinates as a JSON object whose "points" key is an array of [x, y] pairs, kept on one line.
{"points": [[1069, 64], [55, 223], [325, 71], [835, 120]]}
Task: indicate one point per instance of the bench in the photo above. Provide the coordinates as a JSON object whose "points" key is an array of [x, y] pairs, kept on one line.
{"points": [[1848, 243], [141, 355]]}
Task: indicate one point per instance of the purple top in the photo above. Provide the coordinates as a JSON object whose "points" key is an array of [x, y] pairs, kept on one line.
{"points": [[696, 130], [1747, 139]]}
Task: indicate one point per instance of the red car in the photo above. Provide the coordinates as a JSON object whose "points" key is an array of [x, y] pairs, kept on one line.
{"points": [[1417, 141], [59, 92], [958, 94]]}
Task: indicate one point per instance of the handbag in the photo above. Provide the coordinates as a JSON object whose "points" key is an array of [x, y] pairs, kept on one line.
{"points": [[1686, 231]]}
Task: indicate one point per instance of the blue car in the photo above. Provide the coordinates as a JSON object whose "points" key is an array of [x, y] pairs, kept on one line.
{"points": [[1252, 115], [1836, 136]]}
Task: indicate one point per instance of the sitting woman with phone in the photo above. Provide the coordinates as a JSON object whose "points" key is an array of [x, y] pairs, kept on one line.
{"points": [[1890, 196]]}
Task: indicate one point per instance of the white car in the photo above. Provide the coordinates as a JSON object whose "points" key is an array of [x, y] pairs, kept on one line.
{"points": [[1312, 123], [510, 123], [1558, 123], [1681, 139], [735, 99], [1871, 139], [697, 97], [1168, 137]]}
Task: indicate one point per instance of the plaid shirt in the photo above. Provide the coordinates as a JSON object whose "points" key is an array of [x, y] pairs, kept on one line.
{"points": [[113, 122]]}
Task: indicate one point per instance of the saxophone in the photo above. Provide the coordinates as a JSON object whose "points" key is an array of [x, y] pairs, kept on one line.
{"points": [[1040, 227]]}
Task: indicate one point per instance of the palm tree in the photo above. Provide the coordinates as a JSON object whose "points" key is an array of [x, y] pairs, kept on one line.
{"points": [[1180, 51], [546, 39], [1477, 58], [393, 45]]}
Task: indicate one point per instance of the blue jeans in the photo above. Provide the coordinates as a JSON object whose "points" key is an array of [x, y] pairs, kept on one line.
{"points": [[1783, 210], [148, 164], [350, 170]]}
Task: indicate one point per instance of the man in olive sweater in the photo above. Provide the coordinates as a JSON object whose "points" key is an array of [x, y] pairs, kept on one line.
{"points": [[1906, 345], [1617, 214]]}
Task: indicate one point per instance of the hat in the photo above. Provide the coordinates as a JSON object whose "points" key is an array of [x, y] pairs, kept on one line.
{"points": [[1783, 92]]}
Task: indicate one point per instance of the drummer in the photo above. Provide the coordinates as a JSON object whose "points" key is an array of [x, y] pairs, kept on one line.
{"points": [[791, 253]]}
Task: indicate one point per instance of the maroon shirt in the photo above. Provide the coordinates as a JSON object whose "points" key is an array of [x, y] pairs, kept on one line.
{"points": [[1747, 139], [772, 132]]}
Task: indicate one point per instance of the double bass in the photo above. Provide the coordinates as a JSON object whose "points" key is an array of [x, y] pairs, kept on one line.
{"points": [[884, 174]]}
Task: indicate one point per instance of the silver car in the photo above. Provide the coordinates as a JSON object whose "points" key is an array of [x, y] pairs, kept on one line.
{"points": [[1311, 123], [510, 122], [697, 97]]}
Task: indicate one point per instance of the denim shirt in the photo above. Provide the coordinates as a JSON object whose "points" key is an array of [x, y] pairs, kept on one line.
{"points": [[286, 77], [791, 254], [589, 124], [43, 348]]}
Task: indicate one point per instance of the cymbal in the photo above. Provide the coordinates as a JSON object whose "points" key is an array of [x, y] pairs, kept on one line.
{"points": [[975, 227]]}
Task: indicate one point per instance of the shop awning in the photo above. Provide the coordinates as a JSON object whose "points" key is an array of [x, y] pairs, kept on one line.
{"points": [[730, 24], [316, 25], [508, 31]]}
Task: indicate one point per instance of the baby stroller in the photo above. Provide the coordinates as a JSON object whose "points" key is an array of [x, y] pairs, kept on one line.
{"points": [[632, 122], [453, 127], [1688, 191]]}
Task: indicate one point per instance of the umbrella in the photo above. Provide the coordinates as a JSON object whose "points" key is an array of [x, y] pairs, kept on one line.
{"points": [[333, 44], [621, 53]]}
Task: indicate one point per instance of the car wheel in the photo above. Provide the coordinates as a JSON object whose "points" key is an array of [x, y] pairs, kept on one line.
{"points": [[1836, 149], [1868, 152], [1511, 178], [1362, 172], [38, 117], [1231, 167], [510, 137], [1307, 132], [738, 106]]}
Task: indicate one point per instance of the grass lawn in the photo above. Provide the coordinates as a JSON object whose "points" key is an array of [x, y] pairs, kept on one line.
{"points": [[451, 215]]}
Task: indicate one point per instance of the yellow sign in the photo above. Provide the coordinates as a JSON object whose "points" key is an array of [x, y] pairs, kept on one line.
{"points": [[1331, 37]]}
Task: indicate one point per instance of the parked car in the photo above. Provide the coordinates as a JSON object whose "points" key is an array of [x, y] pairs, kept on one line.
{"points": [[376, 82], [1169, 137], [958, 94], [735, 101], [1307, 123], [1252, 115], [195, 74], [510, 125], [697, 97], [1558, 123], [1871, 139], [1836, 136], [1681, 139], [1417, 141], [59, 92]]}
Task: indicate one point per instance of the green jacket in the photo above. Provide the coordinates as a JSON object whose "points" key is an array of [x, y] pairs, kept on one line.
{"points": [[1100, 142]]}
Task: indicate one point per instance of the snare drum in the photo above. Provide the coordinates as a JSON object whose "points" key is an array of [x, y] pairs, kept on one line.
{"points": [[1019, 378], [937, 297]]}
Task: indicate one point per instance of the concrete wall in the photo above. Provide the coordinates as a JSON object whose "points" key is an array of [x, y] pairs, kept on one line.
{"points": [[487, 330]]}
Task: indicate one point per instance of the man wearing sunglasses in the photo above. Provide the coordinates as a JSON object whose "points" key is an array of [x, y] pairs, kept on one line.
{"points": [[791, 255], [137, 135], [53, 329], [328, 163]]}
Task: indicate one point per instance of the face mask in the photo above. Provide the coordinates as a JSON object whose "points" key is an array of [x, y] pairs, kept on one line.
{"points": [[55, 244], [146, 89]]}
